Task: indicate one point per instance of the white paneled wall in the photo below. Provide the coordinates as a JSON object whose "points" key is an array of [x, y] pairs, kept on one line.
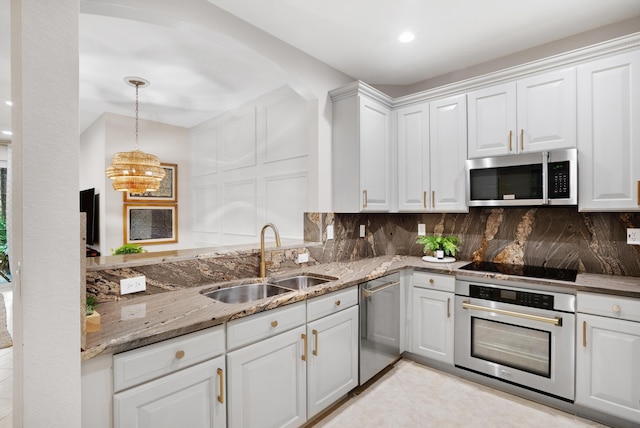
{"points": [[250, 167]]}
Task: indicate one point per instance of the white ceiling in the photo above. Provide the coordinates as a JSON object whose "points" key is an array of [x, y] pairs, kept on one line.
{"points": [[209, 73]]}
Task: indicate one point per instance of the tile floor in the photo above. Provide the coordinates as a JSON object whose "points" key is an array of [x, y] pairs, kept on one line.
{"points": [[412, 395]]}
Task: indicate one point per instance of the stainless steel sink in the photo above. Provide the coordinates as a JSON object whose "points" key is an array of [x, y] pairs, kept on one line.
{"points": [[300, 282], [246, 292]]}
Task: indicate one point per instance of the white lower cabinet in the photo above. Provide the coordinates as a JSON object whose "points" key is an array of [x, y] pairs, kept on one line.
{"points": [[192, 397], [333, 359], [176, 383], [432, 312], [267, 382], [608, 355]]}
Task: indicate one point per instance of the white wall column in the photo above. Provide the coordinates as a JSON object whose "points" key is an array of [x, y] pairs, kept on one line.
{"points": [[45, 250]]}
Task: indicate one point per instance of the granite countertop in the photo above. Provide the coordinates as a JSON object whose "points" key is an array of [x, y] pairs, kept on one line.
{"points": [[128, 324]]}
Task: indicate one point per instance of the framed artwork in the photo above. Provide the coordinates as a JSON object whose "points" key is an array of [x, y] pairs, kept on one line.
{"points": [[150, 224], [168, 191]]}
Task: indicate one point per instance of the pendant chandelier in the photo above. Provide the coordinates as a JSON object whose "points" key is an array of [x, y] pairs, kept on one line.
{"points": [[135, 171]]}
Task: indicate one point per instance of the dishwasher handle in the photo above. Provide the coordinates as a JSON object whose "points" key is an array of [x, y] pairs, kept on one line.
{"points": [[372, 291]]}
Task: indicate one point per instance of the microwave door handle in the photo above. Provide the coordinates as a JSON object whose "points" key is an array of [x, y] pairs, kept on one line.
{"points": [[545, 178]]}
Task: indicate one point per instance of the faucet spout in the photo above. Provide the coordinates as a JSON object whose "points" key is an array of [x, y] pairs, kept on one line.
{"points": [[263, 264]]}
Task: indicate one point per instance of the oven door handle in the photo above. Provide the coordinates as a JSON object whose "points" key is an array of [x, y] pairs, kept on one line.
{"points": [[555, 320], [371, 292]]}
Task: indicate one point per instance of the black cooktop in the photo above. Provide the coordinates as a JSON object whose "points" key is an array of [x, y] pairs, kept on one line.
{"points": [[524, 270]]}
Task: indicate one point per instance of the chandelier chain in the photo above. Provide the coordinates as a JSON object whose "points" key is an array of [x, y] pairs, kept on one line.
{"points": [[137, 86]]}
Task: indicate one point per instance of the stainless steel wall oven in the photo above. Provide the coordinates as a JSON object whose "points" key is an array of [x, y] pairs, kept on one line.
{"points": [[521, 336]]}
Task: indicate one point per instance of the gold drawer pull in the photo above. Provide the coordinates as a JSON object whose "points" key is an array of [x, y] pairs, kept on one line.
{"points": [[315, 333], [180, 354], [522, 139], [274, 324], [337, 302], [616, 309], [304, 345], [431, 281], [221, 396], [510, 140], [584, 334], [365, 202]]}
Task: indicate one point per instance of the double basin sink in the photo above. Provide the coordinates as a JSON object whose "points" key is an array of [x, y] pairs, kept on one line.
{"points": [[256, 291]]}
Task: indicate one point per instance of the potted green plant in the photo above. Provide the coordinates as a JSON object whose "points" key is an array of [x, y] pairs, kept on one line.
{"points": [[92, 319], [128, 249], [439, 246]]}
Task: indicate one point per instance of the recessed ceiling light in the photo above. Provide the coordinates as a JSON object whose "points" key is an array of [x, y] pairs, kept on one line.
{"points": [[9, 103], [406, 37], [7, 132]]}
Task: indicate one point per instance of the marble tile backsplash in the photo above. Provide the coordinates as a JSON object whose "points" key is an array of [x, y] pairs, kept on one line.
{"points": [[551, 236]]}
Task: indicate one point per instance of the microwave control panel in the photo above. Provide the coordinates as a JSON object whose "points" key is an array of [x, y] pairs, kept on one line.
{"points": [[559, 180]]}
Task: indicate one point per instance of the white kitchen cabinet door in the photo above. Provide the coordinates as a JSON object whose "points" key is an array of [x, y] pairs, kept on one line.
{"points": [[448, 152], [546, 111], [608, 366], [414, 188], [333, 359], [375, 155], [609, 133], [267, 382], [432, 329], [363, 159], [193, 397], [492, 121]]}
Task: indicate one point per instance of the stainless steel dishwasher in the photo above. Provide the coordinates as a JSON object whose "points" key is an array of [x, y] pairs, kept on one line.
{"points": [[379, 324]]}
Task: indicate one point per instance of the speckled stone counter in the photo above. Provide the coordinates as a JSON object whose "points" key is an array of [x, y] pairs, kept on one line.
{"points": [[128, 324]]}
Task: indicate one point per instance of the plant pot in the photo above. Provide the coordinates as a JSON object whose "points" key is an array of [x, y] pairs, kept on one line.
{"points": [[440, 254], [92, 322]]}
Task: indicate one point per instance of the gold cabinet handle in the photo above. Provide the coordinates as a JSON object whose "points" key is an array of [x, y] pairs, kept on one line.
{"points": [[315, 333], [584, 334], [337, 302], [274, 323], [448, 307], [522, 139], [424, 197], [304, 345], [510, 141], [221, 377], [638, 195], [616, 309], [431, 281], [433, 199], [364, 199], [180, 354]]}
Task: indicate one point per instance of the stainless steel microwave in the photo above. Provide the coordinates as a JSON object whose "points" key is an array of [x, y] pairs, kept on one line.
{"points": [[543, 178]]}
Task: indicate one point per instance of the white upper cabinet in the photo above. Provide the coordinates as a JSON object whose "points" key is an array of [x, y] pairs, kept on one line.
{"points": [[536, 113], [363, 159], [432, 148], [414, 187], [448, 152], [609, 133]]}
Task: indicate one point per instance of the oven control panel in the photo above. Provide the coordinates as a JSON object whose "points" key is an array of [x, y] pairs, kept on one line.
{"points": [[522, 298]]}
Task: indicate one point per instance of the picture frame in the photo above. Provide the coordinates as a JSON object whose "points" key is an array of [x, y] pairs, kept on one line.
{"points": [[150, 224], [167, 193]]}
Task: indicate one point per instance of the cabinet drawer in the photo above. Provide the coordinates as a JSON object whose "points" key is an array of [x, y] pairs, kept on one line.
{"points": [[260, 326], [331, 303], [140, 365], [433, 281], [619, 307]]}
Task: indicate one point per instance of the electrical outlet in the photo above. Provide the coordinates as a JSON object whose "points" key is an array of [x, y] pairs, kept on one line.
{"points": [[633, 236], [363, 231], [303, 258], [329, 232], [133, 285], [422, 229]]}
